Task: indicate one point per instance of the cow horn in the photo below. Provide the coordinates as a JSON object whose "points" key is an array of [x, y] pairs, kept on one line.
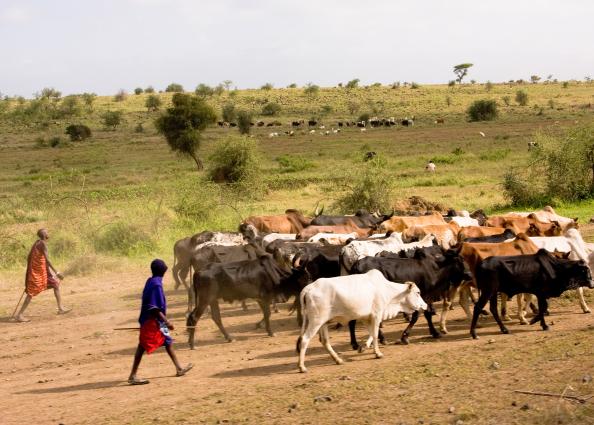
{"points": [[316, 213]]}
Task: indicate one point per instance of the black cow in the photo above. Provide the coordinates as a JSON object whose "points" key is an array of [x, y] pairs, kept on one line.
{"points": [[541, 274], [502, 237], [362, 218], [434, 276], [312, 123], [370, 155], [260, 279]]}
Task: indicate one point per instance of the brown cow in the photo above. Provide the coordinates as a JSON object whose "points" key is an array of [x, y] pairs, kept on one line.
{"points": [[445, 234], [474, 253], [546, 215], [401, 223], [290, 222], [530, 225], [479, 232], [349, 227]]}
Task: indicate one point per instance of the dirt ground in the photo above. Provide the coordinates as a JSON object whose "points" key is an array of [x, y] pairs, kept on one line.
{"points": [[72, 369]]}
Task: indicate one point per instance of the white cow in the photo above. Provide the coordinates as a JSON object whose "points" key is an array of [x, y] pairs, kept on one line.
{"points": [[369, 297], [358, 249], [465, 221], [271, 237], [333, 238]]}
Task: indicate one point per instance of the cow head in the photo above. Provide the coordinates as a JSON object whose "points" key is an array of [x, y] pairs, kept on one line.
{"points": [[580, 275], [412, 299]]}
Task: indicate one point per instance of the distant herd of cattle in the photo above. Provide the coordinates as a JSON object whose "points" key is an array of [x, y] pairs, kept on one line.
{"points": [[371, 122], [371, 267]]}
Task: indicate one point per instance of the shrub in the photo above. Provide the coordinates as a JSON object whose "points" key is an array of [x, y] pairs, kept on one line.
{"points": [[152, 102], [78, 132], [139, 128], [244, 122], [489, 86], [236, 161], [506, 100], [204, 90], [292, 86], [565, 84], [371, 188], [271, 109], [267, 86], [353, 84], [124, 239], [198, 202], [293, 163], [70, 106], [120, 96], [138, 90], [112, 119], [56, 142], [414, 85], [228, 112], [522, 98], [89, 99], [451, 83], [174, 88], [482, 110], [519, 191], [311, 89], [149, 90], [364, 117]]}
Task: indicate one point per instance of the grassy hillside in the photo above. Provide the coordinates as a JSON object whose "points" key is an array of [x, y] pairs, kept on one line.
{"points": [[123, 193]]}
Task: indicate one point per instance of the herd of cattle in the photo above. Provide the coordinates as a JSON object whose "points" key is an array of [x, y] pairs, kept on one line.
{"points": [[371, 267], [312, 123]]}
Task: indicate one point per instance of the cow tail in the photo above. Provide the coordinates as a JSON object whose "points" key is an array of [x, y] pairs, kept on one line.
{"points": [[304, 324]]}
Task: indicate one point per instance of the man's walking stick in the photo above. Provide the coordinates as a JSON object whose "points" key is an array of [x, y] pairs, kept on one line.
{"points": [[17, 306]]}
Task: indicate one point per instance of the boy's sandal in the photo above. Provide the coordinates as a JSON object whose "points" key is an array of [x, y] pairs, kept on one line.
{"points": [[137, 381], [185, 370]]}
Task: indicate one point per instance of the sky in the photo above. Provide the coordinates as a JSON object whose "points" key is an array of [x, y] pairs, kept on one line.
{"points": [[103, 46]]}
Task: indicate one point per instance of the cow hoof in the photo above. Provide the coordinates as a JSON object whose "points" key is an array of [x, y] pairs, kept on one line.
{"points": [[523, 322], [505, 331], [534, 320], [379, 355], [506, 319], [230, 340], [339, 361], [362, 348], [545, 328], [404, 341], [271, 334], [356, 347], [302, 369], [474, 336], [587, 311], [436, 335], [443, 331]]}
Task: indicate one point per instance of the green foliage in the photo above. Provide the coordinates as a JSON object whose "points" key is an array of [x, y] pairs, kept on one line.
{"points": [[267, 86], [112, 119], [488, 86], [461, 70], [565, 84], [153, 102], [353, 107], [228, 112], [120, 96], [353, 84], [78, 132], [506, 100], [149, 90], [138, 90], [371, 187], [414, 85], [519, 191], [204, 90], [311, 90], [198, 202], [292, 86], [182, 123], [482, 110], [244, 122], [89, 99], [364, 117], [174, 88], [123, 238], [70, 106], [522, 98], [495, 155], [534, 79], [294, 163], [236, 161], [271, 109], [451, 83]]}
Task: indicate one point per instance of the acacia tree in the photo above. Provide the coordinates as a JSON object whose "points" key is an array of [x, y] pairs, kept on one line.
{"points": [[461, 70], [183, 123]]}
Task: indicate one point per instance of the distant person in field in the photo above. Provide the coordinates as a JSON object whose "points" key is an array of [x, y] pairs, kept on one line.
{"points": [[430, 166], [154, 326], [41, 275]]}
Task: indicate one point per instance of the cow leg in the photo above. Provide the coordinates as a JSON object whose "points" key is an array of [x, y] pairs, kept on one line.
{"points": [[191, 300], [406, 333], [216, 317], [354, 343], [325, 339], [303, 341], [275, 307], [429, 317], [543, 305], [524, 301], [583, 304], [244, 306], [447, 305], [265, 306], [480, 304], [464, 300], [374, 328], [504, 314], [192, 320], [380, 334], [495, 312]]}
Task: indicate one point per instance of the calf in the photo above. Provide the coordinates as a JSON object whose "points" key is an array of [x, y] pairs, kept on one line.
{"points": [[446, 235], [540, 274], [370, 297]]}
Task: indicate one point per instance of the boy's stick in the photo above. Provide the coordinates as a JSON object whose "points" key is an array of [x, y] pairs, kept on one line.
{"points": [[137, 329], [17, 306]]}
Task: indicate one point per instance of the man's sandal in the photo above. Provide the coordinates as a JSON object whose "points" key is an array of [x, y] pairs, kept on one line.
{"points": [[137, 381], [64, 311], [185, 370]]}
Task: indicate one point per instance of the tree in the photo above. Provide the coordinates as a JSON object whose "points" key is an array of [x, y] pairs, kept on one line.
{"points": [[311, 89], [183, 123], [174, 88], [49, 93], [78, 132], [138, 90], [482, 110], [204, 90], [292, 86], [271, 109], [149, 89], [535, 79], [522, 98], [70, 106], [89, 99], [353, 84], [461, 70], [267, 86], [244, 122], [228, 112], [112, 119], [227, 84], [153, 102]]}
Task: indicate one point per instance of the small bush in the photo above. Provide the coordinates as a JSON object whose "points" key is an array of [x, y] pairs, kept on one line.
{"points": [[78, 132], [565, 84], [174, 88], [495, 155], [451, 83], [149, 90], [506, 100], [244, 122], [56, 142], [353, 84], [64, 245], [228, 112], [267, 86], [204, 90], [124, 239], [482, 110], [364, 117], [153, 102], [414, 85], [271, 109], [520, 191], [371, 188], [522, 98], [447, 159], [138, 90], [311, 89], [120, 96], [294, 163], [448, 100], [112, 119], [197, 203], [489, 86]]}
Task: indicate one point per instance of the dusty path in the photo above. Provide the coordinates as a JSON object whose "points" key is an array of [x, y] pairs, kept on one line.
{"points": [[72, 369]]}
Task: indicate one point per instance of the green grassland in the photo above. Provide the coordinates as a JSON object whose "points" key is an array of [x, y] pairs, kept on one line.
{"points": [[124, 193]]}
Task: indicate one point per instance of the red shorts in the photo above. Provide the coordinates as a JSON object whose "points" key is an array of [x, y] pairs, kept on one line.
{"points": [[52, 282], [153, 336]]}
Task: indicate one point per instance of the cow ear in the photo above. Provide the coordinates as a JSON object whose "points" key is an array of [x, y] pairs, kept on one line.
{"points": [[545, 260], [411, 285]]}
